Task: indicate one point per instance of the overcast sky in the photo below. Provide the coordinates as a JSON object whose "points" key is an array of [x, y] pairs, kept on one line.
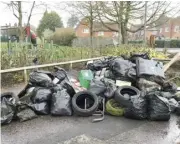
{"points": [[8, 17]]}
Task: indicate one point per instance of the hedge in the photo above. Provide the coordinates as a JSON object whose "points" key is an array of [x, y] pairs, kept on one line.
{"points": [[161, 43]]}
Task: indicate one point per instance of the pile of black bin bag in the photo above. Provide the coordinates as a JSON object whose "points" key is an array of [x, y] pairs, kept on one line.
{"points": [[46, 93], [148, 97]]}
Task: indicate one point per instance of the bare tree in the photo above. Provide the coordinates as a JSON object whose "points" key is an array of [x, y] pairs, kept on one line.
{"points": [[16, 7], [30, 14], [84, 10], [124, 13]]}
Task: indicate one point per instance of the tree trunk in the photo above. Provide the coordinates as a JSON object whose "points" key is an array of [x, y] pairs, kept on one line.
{"points": [[124, 37], [119, 34], [91, 25], [20, 22], [91, 34], [91, 28], [124, 34]]}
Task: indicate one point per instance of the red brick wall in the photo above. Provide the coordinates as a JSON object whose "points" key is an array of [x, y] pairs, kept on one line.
{"points": [[79, 31], [106, 34], [80, 28], [171, 25]]}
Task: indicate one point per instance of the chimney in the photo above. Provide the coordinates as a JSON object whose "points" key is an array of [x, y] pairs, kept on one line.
{"points": [[15, 24]]}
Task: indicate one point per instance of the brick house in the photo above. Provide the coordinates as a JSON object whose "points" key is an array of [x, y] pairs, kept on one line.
{"points": [[139, 35], [82, 30], [170, 29]]}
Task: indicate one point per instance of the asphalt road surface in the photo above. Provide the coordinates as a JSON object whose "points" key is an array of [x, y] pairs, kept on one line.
{"points": [[79, 130]]}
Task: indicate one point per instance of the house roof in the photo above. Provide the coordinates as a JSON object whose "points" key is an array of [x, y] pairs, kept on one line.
{"points": [[149, 28], [98, 26], [61, 30]]}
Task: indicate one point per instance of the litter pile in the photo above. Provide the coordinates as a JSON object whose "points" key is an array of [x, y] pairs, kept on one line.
{"points": [[133, 87]]}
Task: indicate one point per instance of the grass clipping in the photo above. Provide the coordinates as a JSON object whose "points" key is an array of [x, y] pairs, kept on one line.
{"points": [[113, 108]]}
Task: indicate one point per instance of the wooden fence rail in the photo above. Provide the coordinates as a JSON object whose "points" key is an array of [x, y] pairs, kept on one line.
{"points": [[45, 65]]}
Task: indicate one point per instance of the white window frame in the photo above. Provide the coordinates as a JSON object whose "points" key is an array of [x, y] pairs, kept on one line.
{"points": [[100, 33], [176, 28], [115, 33], [154, 32], [166, 29], [86, 30]]}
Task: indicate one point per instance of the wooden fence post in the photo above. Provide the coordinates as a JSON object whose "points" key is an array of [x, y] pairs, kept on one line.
{"points": [[9, 46], [70, 66], [26, 42], [16, 44], [81, 53], [43, 42], [51, 43], [25, 76]]}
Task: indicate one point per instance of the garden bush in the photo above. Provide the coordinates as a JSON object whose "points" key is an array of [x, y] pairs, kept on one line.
{"points": [[159, 43], [63, 36], [175, 43], [162, 43], [135, 42]]}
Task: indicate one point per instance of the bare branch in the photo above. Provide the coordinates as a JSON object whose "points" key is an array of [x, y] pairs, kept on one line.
{"points": [[12, 6], [105, 24], [30, 13]]}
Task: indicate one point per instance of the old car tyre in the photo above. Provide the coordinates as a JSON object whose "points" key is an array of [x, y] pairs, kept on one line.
{"points": [[123, 95], [79, 99]]}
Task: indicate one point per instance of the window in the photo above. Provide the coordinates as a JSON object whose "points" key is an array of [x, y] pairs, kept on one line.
{"points": [[85, 30], [154, 32], [115, 34], [160, 30], [176, 28], [100, 33], [167, 29]]}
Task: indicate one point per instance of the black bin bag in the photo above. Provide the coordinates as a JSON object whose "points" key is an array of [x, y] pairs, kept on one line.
{"points": [[41, 108], [173, 104], [60, 73], [97, 64], [40, 79], [8, 107], [123, 69], [41, 94], [135, 56], [25, 112], [61, 103], [149, 68], [138, 109], [110, 88], [97, 86], [66, 84], [63, 79], [158, 107], [177, 110]]}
